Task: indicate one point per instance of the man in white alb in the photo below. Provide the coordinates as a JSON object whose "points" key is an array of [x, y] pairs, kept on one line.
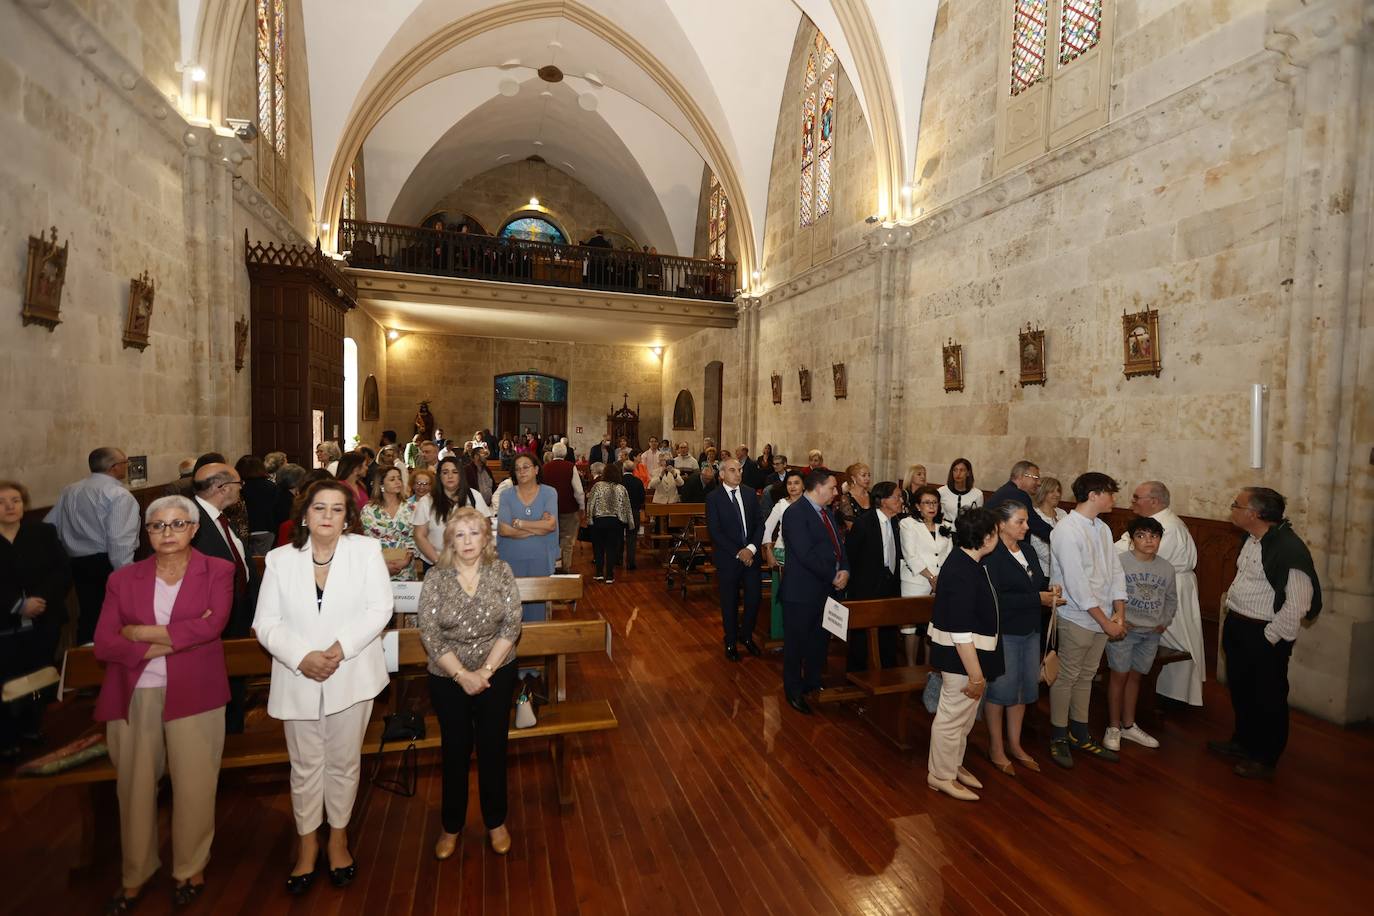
{"points": [[1180, 681]]}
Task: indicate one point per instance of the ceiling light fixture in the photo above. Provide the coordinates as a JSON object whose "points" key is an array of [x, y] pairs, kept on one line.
{"points": [[393, 334], [657, 351]]}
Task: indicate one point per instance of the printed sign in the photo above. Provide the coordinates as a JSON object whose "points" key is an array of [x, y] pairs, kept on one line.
{"points": [[835, 619], [406, 597]]}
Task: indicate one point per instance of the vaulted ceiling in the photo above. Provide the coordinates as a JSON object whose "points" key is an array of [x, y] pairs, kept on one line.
{"points": [[434, 92]]}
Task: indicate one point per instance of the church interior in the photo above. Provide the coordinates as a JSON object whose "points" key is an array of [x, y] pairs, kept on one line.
{"points": [[1122, 236]]}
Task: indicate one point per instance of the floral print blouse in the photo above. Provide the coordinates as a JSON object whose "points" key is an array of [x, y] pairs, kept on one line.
{"points": [[398, 532]]}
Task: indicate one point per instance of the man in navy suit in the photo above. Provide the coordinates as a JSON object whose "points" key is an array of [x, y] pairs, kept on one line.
{"points": [[816, 568], [736, 527]]}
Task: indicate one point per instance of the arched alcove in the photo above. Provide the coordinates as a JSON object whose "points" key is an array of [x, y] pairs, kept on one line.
{"points": [[684, 411]]}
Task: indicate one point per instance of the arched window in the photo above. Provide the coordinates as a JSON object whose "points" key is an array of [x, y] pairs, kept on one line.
{"points": [[350, 195], [271, 69], [534, 229], [350, 391], [718, 221], [817, 131]]}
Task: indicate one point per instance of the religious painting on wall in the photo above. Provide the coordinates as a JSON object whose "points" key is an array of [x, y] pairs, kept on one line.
{"points": [[841, 377], [1140, 343], [47, 271], [777, 388], [138, 471], [684, 411], [372, 408], [1031, 351], [140, 317], [954, 366], [240, 342], [804, 381]]}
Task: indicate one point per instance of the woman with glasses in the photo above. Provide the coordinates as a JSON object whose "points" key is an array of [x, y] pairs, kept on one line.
{"points": [[164, 695], [926, 543], [527, 525]]}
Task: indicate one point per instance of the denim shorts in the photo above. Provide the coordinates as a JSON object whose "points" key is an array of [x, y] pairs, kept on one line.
{"points": [[1020, 682], [1135, 652]]}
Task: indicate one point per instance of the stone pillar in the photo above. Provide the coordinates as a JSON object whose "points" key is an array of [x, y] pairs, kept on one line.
{"points": [[891, 245], [747, 311], [1320, 415]]}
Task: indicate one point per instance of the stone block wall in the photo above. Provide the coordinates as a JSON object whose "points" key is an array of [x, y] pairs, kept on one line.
{"points": [[371, 340], [496, 195], [684, 367], [455, 374]]}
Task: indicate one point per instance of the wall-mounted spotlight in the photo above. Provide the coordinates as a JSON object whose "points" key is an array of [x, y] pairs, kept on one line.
{"points": [[657, 351], [393, 335], [197, 74], [871, 220], [534, 203]]}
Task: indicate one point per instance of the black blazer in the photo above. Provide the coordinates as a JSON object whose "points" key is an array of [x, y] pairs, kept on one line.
{"points": [[210, 541], [811, 564], [964, 603], [635, 487], [1018, 594], [868, 577], [722, 521], [34, 566], [695, 491], [1010, 492]]}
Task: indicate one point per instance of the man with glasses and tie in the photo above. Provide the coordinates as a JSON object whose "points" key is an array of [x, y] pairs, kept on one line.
{"points": [[817, 566], [736, 527], [1020, 487], [217, 488], [97, 521]]}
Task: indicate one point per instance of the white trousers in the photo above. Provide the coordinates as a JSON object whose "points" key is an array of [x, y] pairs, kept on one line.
{"points": [[326, 760], [949, 732]]}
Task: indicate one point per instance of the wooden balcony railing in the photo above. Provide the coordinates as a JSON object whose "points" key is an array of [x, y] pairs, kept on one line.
{"points": [[411, 249]]}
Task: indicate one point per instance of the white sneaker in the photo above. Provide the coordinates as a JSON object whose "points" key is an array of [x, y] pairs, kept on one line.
{"points": [[1112, 739], [1139, 736]]}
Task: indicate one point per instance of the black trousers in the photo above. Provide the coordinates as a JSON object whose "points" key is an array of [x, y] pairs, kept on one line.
{"points": [[804, 645], [464, 722], [631, 537], [607, 536], [1257, 676], [731, 577], [89, 575]]}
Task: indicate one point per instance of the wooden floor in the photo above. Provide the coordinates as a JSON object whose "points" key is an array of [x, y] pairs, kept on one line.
{"points": [[715, 797]]}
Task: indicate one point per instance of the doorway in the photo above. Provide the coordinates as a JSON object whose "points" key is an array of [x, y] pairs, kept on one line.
{"points": [[525, 399]]}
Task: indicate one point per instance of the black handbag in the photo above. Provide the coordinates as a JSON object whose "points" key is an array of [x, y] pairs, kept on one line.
{"points": [[400, 726]]}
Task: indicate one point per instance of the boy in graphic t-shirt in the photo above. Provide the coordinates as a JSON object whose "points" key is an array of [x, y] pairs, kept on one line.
{"points": [[1151, 600]]}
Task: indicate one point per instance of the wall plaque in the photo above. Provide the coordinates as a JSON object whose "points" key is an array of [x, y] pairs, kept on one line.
{"points": [[1140, 343], [954, 366], [777, 388], [1031, 350], [804, 381], [841, 377]]}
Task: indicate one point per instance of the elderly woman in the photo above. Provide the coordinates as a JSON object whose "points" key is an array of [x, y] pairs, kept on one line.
{"points": [[959, 495], [966, 648], [421, 482], [327, 455], [664, 481], [1022, 590], [527, 522], [469, 624], [34, 578], [608, 510], [288, 480], [164, 695], [389, 518], [785, 493], [1046, 501], [325, 599]]}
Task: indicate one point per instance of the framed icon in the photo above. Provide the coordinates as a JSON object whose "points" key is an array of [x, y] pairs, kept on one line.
{"points": [[954, 366], [1140, 343]]}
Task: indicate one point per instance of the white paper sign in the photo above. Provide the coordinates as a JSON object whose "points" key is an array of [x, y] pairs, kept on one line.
{"points": [[406, 597], [835, 619], [391, 650]]}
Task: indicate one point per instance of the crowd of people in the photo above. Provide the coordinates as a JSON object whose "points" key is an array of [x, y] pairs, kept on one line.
{"points": [[1011, 576]]}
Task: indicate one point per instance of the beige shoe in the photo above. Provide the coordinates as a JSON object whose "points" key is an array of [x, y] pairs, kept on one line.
{"points": [[968, 779], [500, 840], [950, 788], [445, 845]]}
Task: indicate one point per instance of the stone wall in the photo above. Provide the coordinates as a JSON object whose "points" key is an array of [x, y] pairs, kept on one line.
{"points": [[371, 340], [455, 374], [684, 367], [496, 195]]}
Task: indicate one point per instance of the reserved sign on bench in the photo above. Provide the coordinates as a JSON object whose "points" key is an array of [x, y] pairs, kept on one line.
{"points": [[835, 619]]}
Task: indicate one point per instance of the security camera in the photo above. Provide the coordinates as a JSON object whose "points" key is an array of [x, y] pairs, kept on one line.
{"points": [[244, 129]]}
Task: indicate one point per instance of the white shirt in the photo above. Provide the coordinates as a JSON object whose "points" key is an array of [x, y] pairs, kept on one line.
{"points": [[1251, 595], [732, 494], [219, 529], [889, 551], [433, 529], [1085, 563], [774, 524], [953, 504], [1042, 548], [97, 515], [922, 549]]}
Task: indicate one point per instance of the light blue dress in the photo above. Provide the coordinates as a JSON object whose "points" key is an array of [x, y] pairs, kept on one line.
{"points": [[532, 556]]}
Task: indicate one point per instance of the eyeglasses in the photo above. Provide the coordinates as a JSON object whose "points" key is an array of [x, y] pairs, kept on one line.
{"points": [[177, 525], [1242, 508], [1031, 476], [231, 483]]}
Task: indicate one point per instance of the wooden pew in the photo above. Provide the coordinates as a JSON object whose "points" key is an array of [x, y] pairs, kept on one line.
{"points": [[886, 692], [666, 521], [549, 641]]}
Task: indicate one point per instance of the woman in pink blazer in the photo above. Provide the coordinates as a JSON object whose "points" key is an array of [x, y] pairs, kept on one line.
{"points": [[163, 696]]}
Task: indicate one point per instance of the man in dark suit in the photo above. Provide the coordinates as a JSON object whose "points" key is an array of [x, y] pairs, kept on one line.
{"points": [[1021, 487], [699, 486], [635, 487], [736, 527], [750, 472], [875, 552], [817, 566], [602, 451], [217, 488]]}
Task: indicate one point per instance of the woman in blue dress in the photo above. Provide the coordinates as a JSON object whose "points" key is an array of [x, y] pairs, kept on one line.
{"points": [[527, 528]]}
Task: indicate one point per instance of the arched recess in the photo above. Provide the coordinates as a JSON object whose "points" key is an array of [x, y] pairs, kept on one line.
{"points": [[522, 399], [684, 411], [350, 391], [385, 93], [713, 386]]}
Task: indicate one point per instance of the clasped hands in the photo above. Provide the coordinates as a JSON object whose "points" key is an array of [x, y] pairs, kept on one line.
{"points": [[320, 666], [841, 579], [473, 682], [138, 632]]}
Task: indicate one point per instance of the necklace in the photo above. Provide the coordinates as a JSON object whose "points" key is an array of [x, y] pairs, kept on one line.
{"points": [[325, 563]]}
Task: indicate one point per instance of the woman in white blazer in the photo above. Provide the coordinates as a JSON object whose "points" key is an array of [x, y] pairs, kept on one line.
{"points": [[926, 544], [325, 599]]}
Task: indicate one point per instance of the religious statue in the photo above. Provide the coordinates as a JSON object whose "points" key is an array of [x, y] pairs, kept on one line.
{"points": [[953, 358], [424, 421], [140, 316], [777, 388], [841, 381], [47, 271], [804, 382], [240, 342]]}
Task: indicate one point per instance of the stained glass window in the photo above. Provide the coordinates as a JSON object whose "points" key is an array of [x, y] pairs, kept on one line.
{"points": [[1080, 26], [718, 220], [1028, 44], [817, 140], [350, 196], [271, 71], [535, 230]]}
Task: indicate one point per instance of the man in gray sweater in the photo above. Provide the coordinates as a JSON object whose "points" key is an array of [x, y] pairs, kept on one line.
{"points": [[1151, 601]]}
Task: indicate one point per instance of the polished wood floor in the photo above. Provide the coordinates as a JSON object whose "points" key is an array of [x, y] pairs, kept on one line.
{"points": [[715, 797]]}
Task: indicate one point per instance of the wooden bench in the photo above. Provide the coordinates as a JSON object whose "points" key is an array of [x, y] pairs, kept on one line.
{"points": [[887, 692], [666, 522], [549, 641]]}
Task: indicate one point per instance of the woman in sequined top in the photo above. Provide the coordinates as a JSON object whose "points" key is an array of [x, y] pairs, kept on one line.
{"points": [[469, 623]]}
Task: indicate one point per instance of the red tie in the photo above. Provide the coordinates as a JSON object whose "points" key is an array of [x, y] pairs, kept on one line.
{"points": [[830, 530], [240, 576]]}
